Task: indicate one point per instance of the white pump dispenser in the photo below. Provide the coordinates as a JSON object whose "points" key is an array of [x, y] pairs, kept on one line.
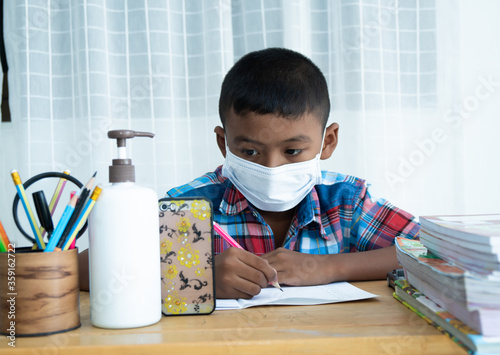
{"points": [[124, 248]]}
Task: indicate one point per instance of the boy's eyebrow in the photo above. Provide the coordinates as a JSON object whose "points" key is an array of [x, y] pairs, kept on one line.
{"points": [[243, 139], [298, 138]]}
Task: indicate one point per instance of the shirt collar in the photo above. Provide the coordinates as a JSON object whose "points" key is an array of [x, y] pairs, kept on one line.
{"points": [[233, 201]]}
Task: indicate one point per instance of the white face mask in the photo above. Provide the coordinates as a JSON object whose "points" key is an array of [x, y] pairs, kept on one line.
{"points": [[272, 189]]}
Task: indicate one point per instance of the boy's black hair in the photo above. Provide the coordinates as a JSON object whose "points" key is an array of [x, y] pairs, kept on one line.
{"points": [[275, 80]]}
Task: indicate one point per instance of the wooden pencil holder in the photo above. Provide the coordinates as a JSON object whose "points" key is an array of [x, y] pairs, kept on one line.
{"points": [[39, 292]]}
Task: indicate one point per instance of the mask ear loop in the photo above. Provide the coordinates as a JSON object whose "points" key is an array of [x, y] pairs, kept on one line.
{"points": [[322, 141], [225, 142], [227, 148]]}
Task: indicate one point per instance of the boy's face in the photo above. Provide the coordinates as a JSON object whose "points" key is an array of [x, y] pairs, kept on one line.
{"points": [[271, 141]]}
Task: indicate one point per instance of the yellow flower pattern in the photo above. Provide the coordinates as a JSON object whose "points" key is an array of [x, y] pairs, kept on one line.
{"points": [[169, 287], [165, 246], [188, 257], [185, 241], [170, 272], [183, 225], [200, 209], [175, 304], [183, 238], [200, 272]]}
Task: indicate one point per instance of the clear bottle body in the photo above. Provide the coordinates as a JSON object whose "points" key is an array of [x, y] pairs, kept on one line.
{"points": [[124, 258]]}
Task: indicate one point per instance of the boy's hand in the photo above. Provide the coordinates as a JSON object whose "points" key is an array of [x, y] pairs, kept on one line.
{"points": [[298, 269], [241, 274]]}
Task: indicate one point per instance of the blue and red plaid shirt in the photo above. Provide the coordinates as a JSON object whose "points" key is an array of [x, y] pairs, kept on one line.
{"points": [[338, 216]]}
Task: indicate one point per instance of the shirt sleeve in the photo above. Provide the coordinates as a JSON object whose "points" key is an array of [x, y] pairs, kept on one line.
{"points": [[376, 223]]}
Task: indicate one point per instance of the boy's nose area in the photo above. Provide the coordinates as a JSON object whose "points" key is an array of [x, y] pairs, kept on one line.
{"points": [[272, 161]]}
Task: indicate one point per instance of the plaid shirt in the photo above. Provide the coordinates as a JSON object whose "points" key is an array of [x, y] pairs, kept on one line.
{"points": [[338, 216]]}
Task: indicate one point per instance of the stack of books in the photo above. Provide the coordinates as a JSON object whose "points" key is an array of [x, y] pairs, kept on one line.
{"points": [[471, 242], [453, 278]]}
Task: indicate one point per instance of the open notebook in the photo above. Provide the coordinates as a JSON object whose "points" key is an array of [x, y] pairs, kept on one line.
{"points": [[305, 295]]}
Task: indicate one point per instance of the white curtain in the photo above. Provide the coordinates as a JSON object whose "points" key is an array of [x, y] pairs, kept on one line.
{"points": [[413, 85]]}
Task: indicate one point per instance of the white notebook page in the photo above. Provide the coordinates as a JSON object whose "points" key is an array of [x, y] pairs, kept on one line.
{"points": [[305, 295]]}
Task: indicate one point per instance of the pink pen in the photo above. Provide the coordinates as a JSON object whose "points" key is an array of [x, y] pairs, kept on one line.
{"points": [[235, 244], [73, 243]]}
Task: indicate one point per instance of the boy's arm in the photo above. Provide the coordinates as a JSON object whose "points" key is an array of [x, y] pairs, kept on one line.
{"points": [[370, 255], [298, 269], [238, 273], [83, 270]]}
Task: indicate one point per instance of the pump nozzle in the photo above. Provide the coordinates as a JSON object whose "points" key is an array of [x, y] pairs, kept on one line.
{"points": [[122, 169], [122, 134]]}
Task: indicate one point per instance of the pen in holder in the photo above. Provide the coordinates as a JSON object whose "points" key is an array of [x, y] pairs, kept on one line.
{"points": [[31, 181], [39, 291]]}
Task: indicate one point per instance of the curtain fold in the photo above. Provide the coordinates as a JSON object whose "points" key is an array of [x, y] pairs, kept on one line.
{"points": [[81, 68]]}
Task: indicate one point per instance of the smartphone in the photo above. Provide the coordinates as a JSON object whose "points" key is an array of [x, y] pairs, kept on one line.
{"points": [[186, 252]]}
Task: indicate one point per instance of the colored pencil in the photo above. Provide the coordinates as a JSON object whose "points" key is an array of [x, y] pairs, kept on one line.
{"points": [[84, 193], [57, 193], [56, 196], [226, 236], [235, 244], [4, 240], [73, 245], [68, 211], [27, 208], [82, 218]]}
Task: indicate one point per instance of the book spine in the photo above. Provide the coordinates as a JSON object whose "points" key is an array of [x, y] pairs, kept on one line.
{"points": [[438, 326], [431, 322]]}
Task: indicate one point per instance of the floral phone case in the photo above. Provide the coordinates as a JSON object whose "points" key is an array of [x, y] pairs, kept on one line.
{"points": [[186, 249]]}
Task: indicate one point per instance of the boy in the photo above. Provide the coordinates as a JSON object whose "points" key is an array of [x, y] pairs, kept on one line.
{"points": [[295, 222]]}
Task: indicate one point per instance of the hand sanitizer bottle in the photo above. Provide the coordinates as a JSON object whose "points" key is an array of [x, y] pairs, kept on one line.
{"points": [[124, 248]]}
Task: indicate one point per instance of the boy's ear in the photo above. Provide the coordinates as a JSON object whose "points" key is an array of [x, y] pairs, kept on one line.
{"points": [[221, 139], [331, 140]]}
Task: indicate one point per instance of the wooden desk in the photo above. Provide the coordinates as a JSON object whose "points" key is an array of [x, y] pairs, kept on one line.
{"points": [[376, 326]]}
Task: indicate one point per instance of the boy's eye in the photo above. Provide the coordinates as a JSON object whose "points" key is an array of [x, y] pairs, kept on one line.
{"points": [[293, 151], [250, 152]]}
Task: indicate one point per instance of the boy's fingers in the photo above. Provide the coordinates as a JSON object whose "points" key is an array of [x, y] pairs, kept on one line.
{"points": [[261, 265], [239, 274], [244, 288]]}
